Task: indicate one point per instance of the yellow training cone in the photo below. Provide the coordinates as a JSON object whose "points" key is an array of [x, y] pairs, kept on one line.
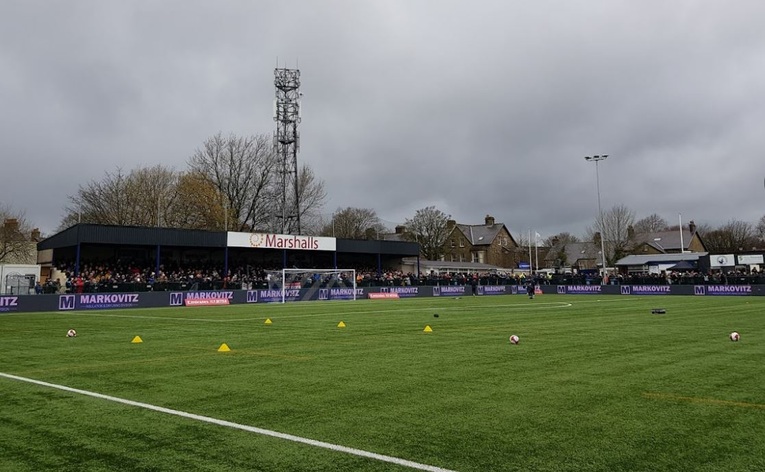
{"points": [[224, 348], [268, 321], [341, 325], [137, 340], [427, 329]]}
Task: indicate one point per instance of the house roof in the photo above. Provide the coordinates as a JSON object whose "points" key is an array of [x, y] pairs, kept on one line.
{"points": [[479, 235], [647, 259], [393, 237], [665, 241]]}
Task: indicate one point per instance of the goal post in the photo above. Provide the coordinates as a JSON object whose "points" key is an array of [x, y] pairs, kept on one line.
{"points": [[313, 280]]}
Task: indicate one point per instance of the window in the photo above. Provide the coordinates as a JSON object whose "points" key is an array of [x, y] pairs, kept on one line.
{"points": [[451, 241], [476, 257], [462, 243]]}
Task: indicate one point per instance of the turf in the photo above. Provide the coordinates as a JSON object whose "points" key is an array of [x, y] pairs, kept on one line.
{"points": [[596, 384]]}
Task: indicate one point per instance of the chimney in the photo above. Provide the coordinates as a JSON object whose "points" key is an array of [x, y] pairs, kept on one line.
{"points": [[596, 238], [400, 229], [35, 235], [555, 241], [450, 224], [489, 220], [630, 232], [692, 227], [11, 225]]}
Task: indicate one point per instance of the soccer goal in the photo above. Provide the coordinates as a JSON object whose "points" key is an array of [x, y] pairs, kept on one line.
{"points": [[303, 284]]}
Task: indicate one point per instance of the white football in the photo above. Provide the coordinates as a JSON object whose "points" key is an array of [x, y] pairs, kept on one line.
{"points": [[71, 333], [514, 339], [734, 336]]}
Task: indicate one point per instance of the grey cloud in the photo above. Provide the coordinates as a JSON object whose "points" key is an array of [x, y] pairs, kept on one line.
{"points": [[480, 107]]}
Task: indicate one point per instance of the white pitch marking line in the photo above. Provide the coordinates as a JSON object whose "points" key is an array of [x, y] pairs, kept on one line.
{"points": [[229, 424], [144, 317]]}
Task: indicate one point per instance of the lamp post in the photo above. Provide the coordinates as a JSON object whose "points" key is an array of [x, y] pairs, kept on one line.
{"points": [[597, 159]]}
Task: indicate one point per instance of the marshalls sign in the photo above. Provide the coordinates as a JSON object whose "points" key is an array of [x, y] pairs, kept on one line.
{"points": [[280, 241]]}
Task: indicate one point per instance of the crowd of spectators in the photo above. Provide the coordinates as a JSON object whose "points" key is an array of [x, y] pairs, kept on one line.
{"points": [[128, 276], [692, 277], [371, 278], [131, 276]]}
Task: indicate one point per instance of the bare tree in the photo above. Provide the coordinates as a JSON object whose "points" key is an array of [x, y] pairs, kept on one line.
{"points": [[144, 197], [613, 226], [243, 170], [651, 224], [760, 229], [155, 194], [354, 223], [100, 202], [312, 197], [429, 228], [560, 239], [246, 172], [733, 236], [16, 242]]}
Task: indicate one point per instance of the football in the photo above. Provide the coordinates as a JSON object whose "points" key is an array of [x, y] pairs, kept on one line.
{"points": [[734, 336], [514, 339], [71, 333]]}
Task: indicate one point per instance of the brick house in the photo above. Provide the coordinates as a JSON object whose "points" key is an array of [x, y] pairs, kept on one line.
{"points": [[489, 243]]}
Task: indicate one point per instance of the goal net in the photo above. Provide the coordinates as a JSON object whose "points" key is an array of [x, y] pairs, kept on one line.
{"points": [[311, 284]]}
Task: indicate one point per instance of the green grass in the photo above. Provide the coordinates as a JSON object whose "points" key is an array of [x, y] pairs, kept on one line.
{"points": [[596, 384]]}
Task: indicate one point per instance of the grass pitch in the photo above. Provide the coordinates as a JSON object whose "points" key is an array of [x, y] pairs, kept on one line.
{"points": [[597, 383]]}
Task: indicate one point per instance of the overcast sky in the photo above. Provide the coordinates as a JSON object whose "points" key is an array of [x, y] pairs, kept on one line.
{"points": [[475, 107]]}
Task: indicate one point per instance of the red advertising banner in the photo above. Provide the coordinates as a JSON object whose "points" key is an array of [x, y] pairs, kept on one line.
{"points": [[206, 301], [376, 295]]}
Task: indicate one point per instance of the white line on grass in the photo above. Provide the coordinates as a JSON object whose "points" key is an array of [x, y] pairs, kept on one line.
{"points": [[229, 424], [113, 315]]}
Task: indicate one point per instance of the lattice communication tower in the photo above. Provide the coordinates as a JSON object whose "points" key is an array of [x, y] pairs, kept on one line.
{"points": [[287, 142]]}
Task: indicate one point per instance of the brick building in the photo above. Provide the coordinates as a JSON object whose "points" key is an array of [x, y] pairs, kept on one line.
{"points": [[489, 243]]}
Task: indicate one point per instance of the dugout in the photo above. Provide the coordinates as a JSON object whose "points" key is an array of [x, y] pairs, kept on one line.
{"points": [[154, 247]]}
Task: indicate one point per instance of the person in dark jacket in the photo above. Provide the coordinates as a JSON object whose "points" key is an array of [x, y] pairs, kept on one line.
{"points": [[530, 289]]}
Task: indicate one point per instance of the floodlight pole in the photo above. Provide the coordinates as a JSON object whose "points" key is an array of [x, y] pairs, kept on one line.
{"points": [[597, 159]]}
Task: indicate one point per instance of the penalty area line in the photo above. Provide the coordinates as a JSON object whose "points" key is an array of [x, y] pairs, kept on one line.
{"points": [[243, 427]]}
